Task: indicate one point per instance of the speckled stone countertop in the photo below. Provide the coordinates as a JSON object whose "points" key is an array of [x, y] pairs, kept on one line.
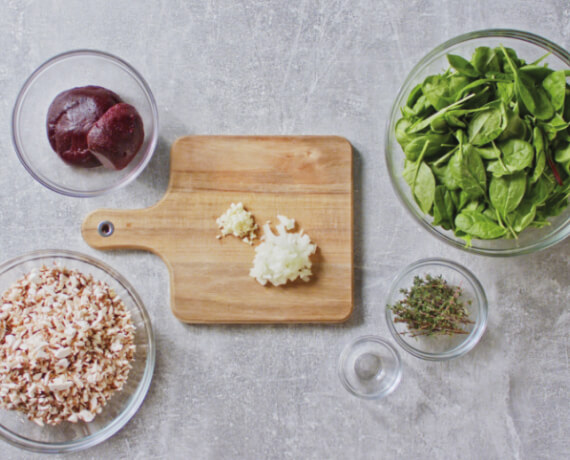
{"points": [[300, 67]]}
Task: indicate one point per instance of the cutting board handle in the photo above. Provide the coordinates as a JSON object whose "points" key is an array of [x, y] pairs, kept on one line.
{"points": [[120, 229]]}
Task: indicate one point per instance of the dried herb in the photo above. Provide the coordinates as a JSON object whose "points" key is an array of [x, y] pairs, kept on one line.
{"points": [[432, 307]]}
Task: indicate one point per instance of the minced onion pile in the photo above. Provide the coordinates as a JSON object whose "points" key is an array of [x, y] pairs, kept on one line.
{"points": [[282, 257]]}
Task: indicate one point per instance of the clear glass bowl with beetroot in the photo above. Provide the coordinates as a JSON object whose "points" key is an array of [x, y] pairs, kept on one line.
{"points": [[85, 123]]}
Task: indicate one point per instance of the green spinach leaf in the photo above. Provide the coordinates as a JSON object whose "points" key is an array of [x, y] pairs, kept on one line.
{"points": [[462, 65], [553, 206], [436, 143], [515, 129], [537, 73], [507, 192], [555, 86], [479, 226], [562, 156], [470, 172], [522, 216], [541, 190], [562, 153], [420, 125], [555, 128], [491, 213], [422, 182], [488, 125], [517, 154], [485, 60], [506, 91], [534, 99], [443, 208], [400, 130], [489, 153], [441, 91]]}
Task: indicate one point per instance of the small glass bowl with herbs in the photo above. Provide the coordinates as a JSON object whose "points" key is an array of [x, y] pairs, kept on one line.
{"points": [[478, 142], [436, 309]]}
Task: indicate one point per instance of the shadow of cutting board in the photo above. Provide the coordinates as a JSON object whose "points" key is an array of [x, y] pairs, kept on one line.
{"points": [[308, 178]]}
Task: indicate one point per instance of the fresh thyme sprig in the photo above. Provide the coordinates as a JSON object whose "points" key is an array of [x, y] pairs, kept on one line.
{"points": [[432, 307]]}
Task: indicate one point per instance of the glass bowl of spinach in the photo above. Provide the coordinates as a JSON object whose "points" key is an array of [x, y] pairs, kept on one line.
{"points": [[478, 142], [436, 309]]}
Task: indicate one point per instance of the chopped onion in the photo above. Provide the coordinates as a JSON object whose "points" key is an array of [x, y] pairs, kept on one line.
{"points": [[282, 257]]}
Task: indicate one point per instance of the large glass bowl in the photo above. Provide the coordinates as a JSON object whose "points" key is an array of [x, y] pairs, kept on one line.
{"points": [[63, 72], [528, 47], [16, 429], [440, 348]]}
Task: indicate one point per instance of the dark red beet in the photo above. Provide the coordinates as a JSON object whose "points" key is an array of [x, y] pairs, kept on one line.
{"points": [[117, 136], [70, 117]]}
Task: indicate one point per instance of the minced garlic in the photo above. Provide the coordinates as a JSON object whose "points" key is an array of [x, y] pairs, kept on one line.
{"points": [[238, 222]]}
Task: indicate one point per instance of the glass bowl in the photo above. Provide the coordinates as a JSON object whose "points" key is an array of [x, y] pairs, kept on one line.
{"points": [[528, 47], [369, 367], [63, 72], [16, 429], [440, 348]]}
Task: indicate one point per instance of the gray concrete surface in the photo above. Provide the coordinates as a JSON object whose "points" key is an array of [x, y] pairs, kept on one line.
{"points": [[300, 67]]}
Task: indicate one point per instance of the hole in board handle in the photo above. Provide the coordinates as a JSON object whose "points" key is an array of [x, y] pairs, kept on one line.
{"points": [[105, 228]]}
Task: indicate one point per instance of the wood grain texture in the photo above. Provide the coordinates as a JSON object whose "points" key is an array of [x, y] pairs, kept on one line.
{"points": [[308, 178]]}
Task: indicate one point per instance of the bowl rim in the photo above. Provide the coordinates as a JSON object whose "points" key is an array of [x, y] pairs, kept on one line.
{"points": [[470, 340], [137, 398], [393, 351], [546, 241], [129, 69]]}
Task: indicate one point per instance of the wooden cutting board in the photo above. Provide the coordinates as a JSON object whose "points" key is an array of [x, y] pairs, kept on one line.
{"points": [[307, 178]]}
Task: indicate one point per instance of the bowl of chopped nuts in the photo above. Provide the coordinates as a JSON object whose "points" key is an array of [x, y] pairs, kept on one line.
{"points": [[436, 309], [77, 351]]}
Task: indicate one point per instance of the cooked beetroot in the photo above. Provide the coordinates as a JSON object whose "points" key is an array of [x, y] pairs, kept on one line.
{"points": [[91, 126], [70, 117], [117, 136]]}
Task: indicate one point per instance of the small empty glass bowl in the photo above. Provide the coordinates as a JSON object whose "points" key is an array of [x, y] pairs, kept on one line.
{"points": [[439, 348], [63, 72], [529, 47], [369, 367], [16, 429]]}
